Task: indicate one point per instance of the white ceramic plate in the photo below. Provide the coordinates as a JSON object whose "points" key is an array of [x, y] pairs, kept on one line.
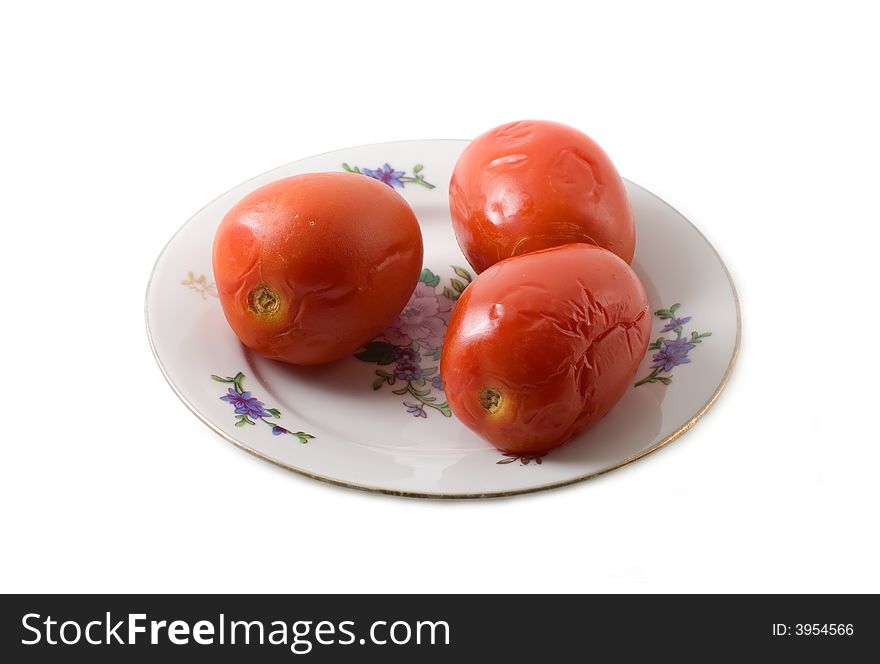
{"points": [[380, 422]]}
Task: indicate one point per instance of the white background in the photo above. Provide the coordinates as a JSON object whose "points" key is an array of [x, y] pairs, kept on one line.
{"points": [[759, 122]]}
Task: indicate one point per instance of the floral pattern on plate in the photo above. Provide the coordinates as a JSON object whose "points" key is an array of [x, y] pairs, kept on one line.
{"points": [[249, 409], [200, 285], [410, 346], [391, 177], [671, 351], [524, 459]]}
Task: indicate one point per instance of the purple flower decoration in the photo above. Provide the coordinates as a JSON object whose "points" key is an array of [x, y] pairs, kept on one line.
{"points": [[417, 409], [423, 319], [391, 177], [408, 350], [407, 354], [407, 371], [675, 322], [245, 404], [387, 175], [249, 410], [672, 354]]}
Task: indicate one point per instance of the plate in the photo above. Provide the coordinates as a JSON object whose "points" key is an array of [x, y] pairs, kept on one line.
{"points": [[379, 421]]}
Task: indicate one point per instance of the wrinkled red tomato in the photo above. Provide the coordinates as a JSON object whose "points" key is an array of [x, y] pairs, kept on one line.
{"points": [[311, 267], [532, 185], [541, 346]]}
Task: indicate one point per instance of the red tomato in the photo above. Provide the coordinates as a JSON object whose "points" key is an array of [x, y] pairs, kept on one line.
{"points": [[541, 346], [532, 185], [311, 267]]}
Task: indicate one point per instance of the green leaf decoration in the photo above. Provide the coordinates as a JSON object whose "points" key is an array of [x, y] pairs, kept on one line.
{"points": [[674, 308], [429, 278], [378, 382], [242, 420], [464, 274], [665, 379], [235, 380], [303, 437], [458, 285], [417, 392], [418, 168], [378, 352], [451, 294], [274, 411]]}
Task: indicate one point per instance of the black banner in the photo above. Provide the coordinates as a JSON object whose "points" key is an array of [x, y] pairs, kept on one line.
{"points": [[319, 628]]}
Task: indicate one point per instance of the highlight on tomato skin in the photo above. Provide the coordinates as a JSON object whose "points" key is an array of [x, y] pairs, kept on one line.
{"points": [[311, 267], [541, 346], [535, 184]]}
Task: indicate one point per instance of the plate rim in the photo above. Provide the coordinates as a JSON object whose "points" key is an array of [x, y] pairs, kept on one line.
{"points": [[684, 428]]}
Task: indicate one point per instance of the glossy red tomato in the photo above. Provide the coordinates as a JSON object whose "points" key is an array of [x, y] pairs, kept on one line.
{"points": [[531, 185], [541, 346], [311, 267]]}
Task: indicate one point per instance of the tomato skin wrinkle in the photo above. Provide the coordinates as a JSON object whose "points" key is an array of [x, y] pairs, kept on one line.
{"points": [[312, 267], [559, 334], [535, 184]]}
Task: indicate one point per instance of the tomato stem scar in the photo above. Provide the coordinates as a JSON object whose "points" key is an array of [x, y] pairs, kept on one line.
{"points": [[490, 399], [264, 301]]}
